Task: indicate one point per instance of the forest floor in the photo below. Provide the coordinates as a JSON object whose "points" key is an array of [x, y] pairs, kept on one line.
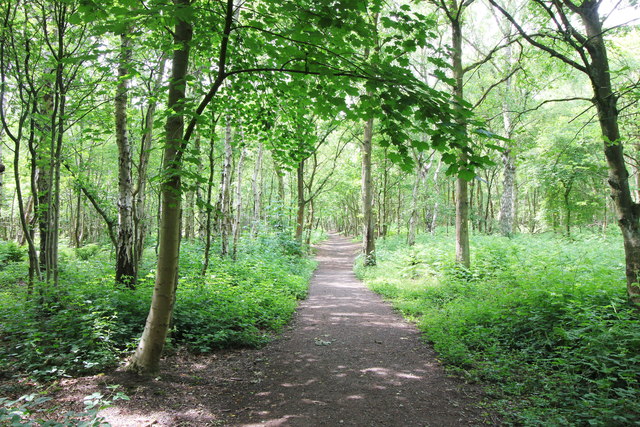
{"points": [[346, 359]]}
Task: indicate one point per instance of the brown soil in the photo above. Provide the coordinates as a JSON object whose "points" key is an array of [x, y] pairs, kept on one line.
{"points": [[346, 359]]}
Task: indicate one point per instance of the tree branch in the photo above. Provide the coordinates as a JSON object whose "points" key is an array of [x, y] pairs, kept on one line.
{"points": [[536, 43]]}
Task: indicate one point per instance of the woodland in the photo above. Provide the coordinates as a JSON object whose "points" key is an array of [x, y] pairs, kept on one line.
{"points": [[167, 167]]}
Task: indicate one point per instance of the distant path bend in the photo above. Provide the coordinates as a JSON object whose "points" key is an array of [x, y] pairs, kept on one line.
{"points": [[348, 359]]}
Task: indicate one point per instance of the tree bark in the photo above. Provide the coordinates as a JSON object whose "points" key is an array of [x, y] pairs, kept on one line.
{"points": [[256, 189], [368, 236], [506, 217], [209, 198], [190, 198], [140, 217], [146, 359], [224, 202], [462, 198], [507, 200], [237, 221], [301, 201], [126, 272], [606, 105]]}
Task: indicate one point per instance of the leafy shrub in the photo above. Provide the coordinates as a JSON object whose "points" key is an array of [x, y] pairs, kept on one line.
{"points": [[241, 303], [545, 322], [10, 252], [87, 251], [88, 323]]}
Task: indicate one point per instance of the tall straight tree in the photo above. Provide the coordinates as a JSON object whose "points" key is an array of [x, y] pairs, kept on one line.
{"points": [[368, 236], [223, 210], [146, 359], [573, 29], [67, 48], [17, 70], [453, 10], [125, 261], [368, 232]]}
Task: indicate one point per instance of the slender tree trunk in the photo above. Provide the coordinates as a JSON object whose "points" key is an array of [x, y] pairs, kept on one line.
{"points": [[140, 217], [224, 202], [421, 172], [125, 262], [146, 359], [281, 186], [506, 216], [301, 201], [27, 229], [567, 207], [434, 219], [256, 189], [385, 196], [190, 197], [368, 236], [56, 149], [40, 178], [209, 199], [462, 198], [636, 174], [237, 221], [507, 201], [310, 221], [78, 233]]}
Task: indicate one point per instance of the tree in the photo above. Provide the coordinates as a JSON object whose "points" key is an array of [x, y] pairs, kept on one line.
{"points": [[147, 355], [560, 37], [126, 271], [298, 50]]}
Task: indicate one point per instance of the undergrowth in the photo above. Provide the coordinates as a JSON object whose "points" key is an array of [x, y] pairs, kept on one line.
{"points": [[88, 324], [542, 320]]}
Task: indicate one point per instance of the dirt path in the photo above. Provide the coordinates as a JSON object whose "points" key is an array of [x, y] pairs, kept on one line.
{"points": [[346, 359], [350, 360]]}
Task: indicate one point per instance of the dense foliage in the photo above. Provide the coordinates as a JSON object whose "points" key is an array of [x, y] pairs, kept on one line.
{"points": [[541, 319], [238, 129], [88, 325]]}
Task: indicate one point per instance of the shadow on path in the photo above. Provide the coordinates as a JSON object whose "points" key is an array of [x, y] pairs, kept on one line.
{"points": [[348, 359]]}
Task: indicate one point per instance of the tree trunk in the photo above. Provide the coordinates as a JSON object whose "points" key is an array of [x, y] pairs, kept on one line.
{"points": [[256, 189], [301, 201], [140, 217], [368, 237], [605, 101], [78, 228], [209, 199], [310, 221], [506, 216], [462, 199], [385, 196], [507, 201], [567, 208], [421, 172], [146, 359], [126, 273], [237, 221], [224, 202]]}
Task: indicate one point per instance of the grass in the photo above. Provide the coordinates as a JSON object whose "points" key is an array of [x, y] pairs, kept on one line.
{"points": [[543, 321]]}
